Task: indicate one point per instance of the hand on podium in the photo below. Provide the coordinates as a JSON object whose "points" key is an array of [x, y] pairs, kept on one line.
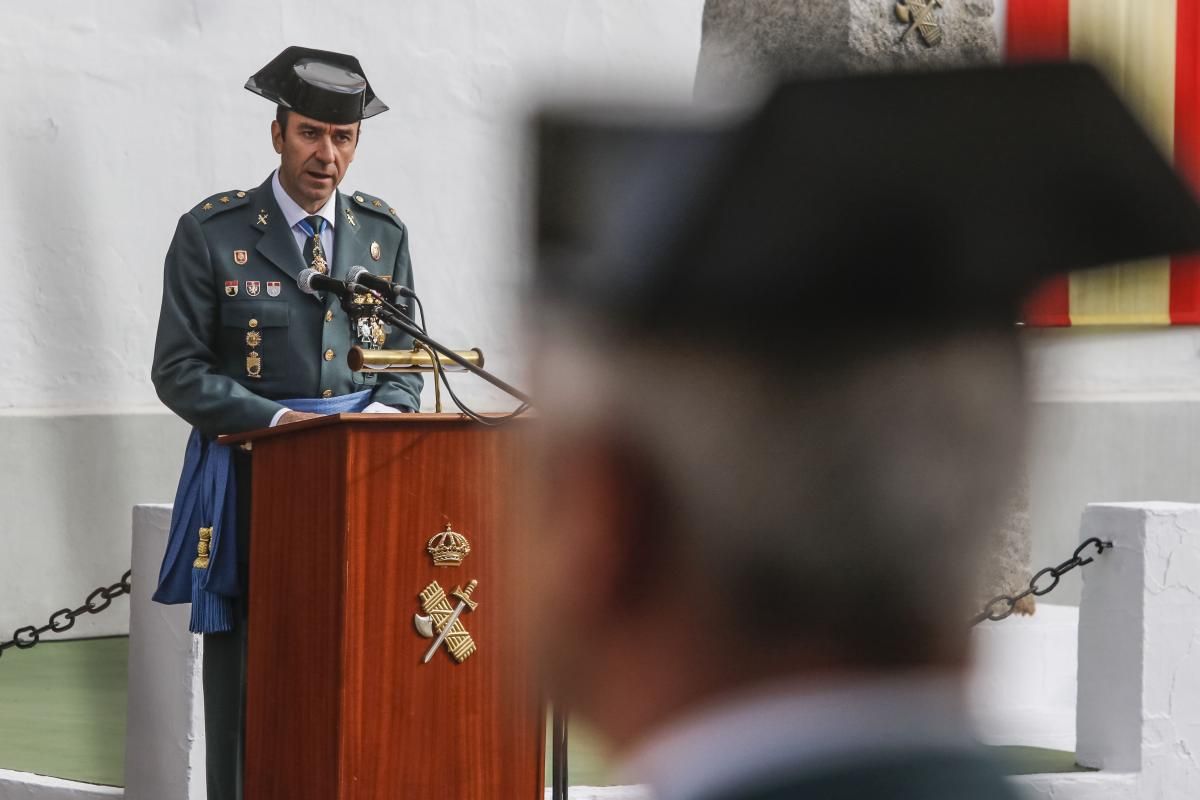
{"points": [[295, 416]]}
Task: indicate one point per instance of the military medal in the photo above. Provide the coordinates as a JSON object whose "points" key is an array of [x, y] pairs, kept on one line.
{"points": [[231, 288], [253, 339], [375, 250], [253, 288], [274, 288], [253, 364], [240, 257]]}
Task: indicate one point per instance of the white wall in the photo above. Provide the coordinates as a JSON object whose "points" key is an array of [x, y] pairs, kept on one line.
{"points": [[1117, 418], [119, 117]]}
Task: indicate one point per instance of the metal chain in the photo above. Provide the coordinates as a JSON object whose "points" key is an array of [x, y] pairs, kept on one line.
{"points": [[1002, 606], [63, 620]]}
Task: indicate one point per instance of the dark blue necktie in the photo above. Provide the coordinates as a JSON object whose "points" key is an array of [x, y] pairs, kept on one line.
{"points": [[314, 254]]}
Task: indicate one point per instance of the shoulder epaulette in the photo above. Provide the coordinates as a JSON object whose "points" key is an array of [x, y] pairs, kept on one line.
{"points": [[222, 201], [369, 203]]}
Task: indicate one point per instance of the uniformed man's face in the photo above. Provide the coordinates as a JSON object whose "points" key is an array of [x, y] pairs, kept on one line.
{"points": [[314, 157]]}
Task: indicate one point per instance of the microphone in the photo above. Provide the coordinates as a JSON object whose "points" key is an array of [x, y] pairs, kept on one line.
{"points": [[310, 282], [364, 277]]}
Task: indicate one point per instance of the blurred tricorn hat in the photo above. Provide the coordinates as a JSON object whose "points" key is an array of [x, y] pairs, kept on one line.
{"points": [[928, 200], [321, 84]]}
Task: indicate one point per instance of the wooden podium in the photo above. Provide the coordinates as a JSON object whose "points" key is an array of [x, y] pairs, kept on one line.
{"points": [[339, 703]]}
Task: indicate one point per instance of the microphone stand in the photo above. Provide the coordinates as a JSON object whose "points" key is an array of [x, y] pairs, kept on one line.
{"points": [[397, 318]]}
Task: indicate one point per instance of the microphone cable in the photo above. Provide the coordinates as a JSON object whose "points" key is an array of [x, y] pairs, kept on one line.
{"points": [[493, 422]]}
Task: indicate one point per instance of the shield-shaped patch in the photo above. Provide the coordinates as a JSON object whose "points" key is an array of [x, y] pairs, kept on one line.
{"points": [[253, 288], [240, 257], [273, 288], [231, 288]]}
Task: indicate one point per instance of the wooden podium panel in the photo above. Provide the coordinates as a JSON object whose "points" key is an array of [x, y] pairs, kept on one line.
{"points": [[339, 705]]}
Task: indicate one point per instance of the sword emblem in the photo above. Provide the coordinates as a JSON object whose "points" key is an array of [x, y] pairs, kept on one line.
{"points": [[441, 622]]}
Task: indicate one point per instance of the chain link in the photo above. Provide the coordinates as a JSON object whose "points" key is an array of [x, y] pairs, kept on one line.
{"points": [[1003, 606], [63, 620]]}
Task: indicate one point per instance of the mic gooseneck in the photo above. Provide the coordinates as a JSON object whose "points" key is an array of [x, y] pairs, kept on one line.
{"points": [[364, 277]]}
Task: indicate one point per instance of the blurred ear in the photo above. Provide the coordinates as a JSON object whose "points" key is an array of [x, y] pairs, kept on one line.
{"points": [[277, 136], [608, 534]]}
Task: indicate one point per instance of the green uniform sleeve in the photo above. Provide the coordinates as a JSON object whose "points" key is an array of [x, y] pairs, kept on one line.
{"points": [[400, 391], [185, 370]]}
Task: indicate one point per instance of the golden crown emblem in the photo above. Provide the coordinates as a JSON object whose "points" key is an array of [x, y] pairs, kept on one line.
{"points": [[448, 548]]}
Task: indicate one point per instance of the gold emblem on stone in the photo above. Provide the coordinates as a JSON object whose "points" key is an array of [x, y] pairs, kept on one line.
{"points": [[376, 251], [448, 548], [441, 622], [919, 14]]}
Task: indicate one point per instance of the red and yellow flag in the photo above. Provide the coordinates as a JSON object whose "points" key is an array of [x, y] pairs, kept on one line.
{"points": [[1150, 50]]}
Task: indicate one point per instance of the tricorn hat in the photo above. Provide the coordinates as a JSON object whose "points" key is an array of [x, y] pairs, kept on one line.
{"points": [[899, 202], [321, 84]]}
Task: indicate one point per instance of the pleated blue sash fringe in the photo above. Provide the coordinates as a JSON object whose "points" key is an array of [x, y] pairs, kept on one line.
{"points": [[207, 497]]}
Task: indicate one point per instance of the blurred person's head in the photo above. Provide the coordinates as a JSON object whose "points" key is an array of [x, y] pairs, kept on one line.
{"points": [[781, 390], [717, 517]]}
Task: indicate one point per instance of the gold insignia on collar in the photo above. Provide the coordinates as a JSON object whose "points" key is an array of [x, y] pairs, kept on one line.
{"points": [[207, 206], [376, 203], [224, 199], [262, 217], [350, 218], [376, 251]]}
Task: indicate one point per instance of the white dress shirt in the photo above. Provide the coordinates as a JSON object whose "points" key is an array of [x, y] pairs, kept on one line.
{"points": [[783, 730], [294, 215]]}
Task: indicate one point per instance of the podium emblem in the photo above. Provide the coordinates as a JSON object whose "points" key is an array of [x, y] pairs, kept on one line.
{"points": [[441, 620], [448, 548]]}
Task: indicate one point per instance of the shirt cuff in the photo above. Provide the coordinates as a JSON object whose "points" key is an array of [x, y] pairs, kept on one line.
{"points": [[278, 415]]}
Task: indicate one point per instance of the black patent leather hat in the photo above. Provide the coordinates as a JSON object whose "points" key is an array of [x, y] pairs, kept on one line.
{"points": [[321, 84], [896, 201]]}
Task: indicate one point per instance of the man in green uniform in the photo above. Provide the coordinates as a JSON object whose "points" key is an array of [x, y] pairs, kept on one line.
{"points": [[240, 345]]}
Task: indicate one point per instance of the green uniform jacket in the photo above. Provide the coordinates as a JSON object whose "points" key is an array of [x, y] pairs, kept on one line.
{"points": [[230, 298]]}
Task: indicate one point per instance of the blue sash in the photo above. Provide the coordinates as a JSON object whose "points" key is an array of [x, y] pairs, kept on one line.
{"points": [[207, 499]]}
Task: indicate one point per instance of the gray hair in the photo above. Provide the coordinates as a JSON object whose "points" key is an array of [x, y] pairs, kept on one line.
{"points": [[849, 495]]}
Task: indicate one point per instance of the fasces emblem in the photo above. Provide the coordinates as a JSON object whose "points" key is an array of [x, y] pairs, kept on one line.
{"points": [[443, 619], [919, 14]]}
